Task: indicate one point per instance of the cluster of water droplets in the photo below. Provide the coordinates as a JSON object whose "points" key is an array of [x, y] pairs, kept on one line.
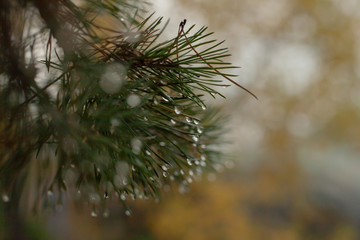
{"points": [[105, 212], [119, 188], [160, 175], [190, 123], [183, 175], [195, 165]]}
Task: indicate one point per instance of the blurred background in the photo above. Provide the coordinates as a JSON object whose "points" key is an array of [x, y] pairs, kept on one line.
{"points": [[295, 173]]}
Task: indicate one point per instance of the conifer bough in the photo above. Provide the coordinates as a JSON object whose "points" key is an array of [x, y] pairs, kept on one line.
{"points": [[96, 112]]}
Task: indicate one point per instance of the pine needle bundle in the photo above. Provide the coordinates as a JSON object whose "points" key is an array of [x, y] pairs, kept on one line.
{"points": [[119, 113]]}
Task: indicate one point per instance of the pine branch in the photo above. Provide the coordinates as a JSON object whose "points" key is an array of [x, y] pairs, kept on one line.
{"points": [[127, 116]]}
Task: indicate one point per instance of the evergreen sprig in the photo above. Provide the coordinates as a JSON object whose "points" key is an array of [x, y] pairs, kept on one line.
{"points": [[126, 114]]}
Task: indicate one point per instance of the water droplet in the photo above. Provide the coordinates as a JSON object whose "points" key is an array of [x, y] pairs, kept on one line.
{"points": [[122, 168], [191, 173], [113, 77], [162, 144], [219, 167], [133, 168], [133, 100], [203, 146], [164, 168], [165, 174], [167, 188], [173, 121], [199, 171], [172, 178], [162, 82], [177, 110], [196, 122], [189, 179], [93, 213], [70, 175], [182, 172], [203, 164], [5, 198], [106, 213], [156, 102], [148, 152], [50, 193], [106, 195], [123, 196], [136, 145], [188, 119], [120, 181], [122, 19], [146, 119], [203, 157], [195, 138], [132, 37], [114, 122], [188, 161], [183, 188], [197, 162], [165, 99], [127, 212], [203, 107], [229, 164], [211, 177], [94, 198]]}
